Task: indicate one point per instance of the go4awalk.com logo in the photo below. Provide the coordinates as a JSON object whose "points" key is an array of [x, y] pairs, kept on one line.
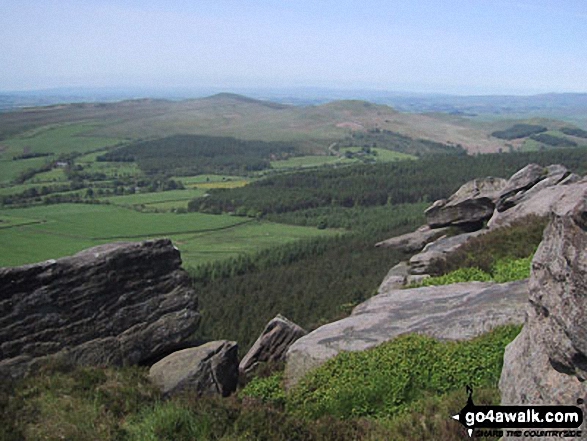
{"points": [[518, 421]]}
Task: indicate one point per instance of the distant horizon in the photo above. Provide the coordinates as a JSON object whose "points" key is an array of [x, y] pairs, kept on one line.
{"points": [[306, 91], [454, 47]]}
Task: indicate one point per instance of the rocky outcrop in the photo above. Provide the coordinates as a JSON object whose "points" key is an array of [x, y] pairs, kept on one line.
{"points": [[471, 205], [532, 191], [210, 369], [271, 346], [415, 241], [547, 362], [116, 304], [455, 312]]}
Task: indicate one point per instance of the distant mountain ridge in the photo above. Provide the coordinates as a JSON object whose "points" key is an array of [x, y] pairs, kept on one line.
{"points": [[228, 114]]}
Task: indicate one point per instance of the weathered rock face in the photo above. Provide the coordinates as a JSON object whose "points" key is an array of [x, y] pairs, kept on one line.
{"points": [[520, 181], [210, 369], [438, 250], [271, 346], [116, 304], [455, 312], [472, 204], [547, 362], [395, 278], [540, 200]]}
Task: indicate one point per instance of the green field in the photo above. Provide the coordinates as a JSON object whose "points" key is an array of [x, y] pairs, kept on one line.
{"points": [[381, 155], [64, 229], [54, 175], [378, 155], [57, 139], [173, 198], [9, 169], [307, 161]]}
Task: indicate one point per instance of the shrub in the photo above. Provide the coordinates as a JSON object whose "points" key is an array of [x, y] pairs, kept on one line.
{"points": [[383, 381], [507, 270], [460, 275], [268, 389]]}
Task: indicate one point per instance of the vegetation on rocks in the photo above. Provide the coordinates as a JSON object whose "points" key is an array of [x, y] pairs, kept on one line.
{"points": [[504, 270], [63, 402], [383, 381], [507, 244]]}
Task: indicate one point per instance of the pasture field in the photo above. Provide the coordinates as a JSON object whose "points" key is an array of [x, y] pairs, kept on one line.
{"points": [[381, 155], [54, 175], [247, 237], [530, 145], [378, 154], [9, 169], [58, 139], [157, 198], [307, 161], [112, 169], [384, 155], [207, 181], [13, 189], [65, 229]]}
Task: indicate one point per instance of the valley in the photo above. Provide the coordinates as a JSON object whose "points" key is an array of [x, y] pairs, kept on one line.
{"points": [[276, 209]]}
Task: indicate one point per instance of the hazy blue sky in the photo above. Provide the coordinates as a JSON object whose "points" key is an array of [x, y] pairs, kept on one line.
{"points": [[452, 46]]}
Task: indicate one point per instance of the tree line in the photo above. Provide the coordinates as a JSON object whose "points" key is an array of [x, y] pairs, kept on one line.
{"points": [[185, 155], [402, 182]]}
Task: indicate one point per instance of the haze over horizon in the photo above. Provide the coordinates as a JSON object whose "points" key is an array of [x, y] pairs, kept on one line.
{"points": [[457, 47]]}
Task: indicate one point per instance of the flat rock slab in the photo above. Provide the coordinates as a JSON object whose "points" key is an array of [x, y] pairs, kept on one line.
{"points": [[210, 369], [453, 312], [415, 241]]}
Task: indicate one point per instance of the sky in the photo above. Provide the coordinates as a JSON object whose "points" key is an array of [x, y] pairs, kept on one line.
{"points": [[442, 46]]}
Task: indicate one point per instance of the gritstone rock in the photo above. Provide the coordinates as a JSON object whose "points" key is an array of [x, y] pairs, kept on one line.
{"points": [[115, 304], [272, 344], [471, 205], [547, 362], [210, 369]]}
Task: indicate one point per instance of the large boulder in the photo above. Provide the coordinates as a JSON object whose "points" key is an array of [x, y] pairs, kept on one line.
{"points": [[471, 205], [272, 344], [210, 369], [455, 312], [547, 362], [116, 304]]}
